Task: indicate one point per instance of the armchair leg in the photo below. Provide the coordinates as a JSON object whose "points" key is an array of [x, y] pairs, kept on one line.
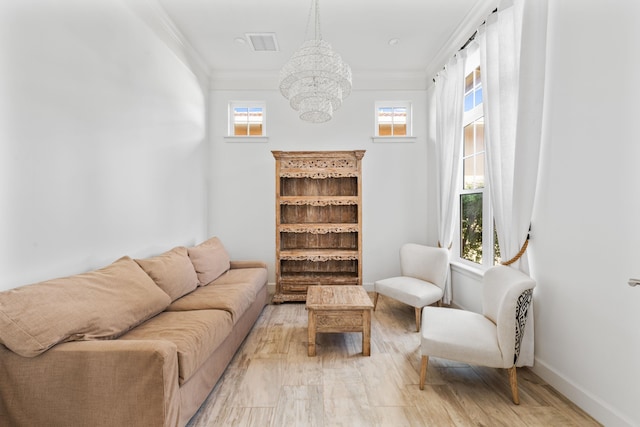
{"points": [[513, 380], [418, 318], [375, 300], [423, 371]]}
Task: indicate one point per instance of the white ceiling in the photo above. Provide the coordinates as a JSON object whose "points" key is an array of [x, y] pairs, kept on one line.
{"points": [[359, 30]]}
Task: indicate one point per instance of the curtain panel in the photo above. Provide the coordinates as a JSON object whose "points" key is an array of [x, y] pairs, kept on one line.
{"points": [[449, 99], [512, 56]]}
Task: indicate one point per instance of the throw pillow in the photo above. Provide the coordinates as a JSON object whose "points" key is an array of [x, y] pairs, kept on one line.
{"points": [[210, 259], [172, 271], [101, 304]]}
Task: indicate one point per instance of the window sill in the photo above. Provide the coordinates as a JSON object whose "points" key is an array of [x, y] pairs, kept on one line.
{"points": [[246, 139], [393, 139], [468, 270]]}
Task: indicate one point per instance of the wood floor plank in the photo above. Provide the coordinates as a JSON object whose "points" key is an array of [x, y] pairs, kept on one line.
{"points": [[260, 385], [397, 416], [345, 398], [470, 392], [300, 368], [272, 381], [438, 406], [301, 406], [382, 382], [246, 417]]}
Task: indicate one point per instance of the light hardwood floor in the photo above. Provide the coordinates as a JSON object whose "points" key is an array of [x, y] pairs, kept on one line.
{"points": [[272, 382]]}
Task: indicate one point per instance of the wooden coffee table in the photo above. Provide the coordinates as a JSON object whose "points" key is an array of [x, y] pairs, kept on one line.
{"points": [[339, 309]]}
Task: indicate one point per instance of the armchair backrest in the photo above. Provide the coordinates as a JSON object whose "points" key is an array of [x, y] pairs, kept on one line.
{"points": [[425, 262], [506, 296]]}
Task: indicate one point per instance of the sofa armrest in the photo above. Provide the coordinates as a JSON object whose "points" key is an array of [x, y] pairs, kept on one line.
{"points": [[248, 264], [97, 383]]}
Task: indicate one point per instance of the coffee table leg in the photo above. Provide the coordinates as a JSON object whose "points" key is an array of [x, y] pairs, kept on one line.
{"points": [[311, 351], [366, 332]]}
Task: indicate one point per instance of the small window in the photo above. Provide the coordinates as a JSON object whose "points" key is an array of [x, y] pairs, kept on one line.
{"points": [[393, 118], [247, 119]]}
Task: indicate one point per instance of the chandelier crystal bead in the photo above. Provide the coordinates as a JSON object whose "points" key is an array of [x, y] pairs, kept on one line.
{"points": [[315, 80]]}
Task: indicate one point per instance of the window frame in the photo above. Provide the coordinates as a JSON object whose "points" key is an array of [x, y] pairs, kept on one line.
{"points": [[488, 225], [232, 106], [408, 137]]}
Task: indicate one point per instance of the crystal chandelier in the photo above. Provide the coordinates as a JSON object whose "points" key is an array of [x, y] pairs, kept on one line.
{"points": [[315, 80]]}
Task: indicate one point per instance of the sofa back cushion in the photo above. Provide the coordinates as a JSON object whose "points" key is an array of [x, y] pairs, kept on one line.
{"points": [[172, 271], [101, 304], [210, 259]]}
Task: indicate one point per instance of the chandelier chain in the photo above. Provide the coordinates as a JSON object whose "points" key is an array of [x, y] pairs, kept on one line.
{"points": [[314, 13], [318, 33]]}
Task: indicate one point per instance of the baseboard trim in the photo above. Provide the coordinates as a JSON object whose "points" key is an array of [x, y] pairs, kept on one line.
{"points": [[594, 406]]}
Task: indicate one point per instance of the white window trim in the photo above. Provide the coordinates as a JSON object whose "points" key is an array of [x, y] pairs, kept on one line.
{"points": [[393, 139], [401, 138], [473, 60], [247, 138], [487, 236], [467, 268], [230, 137]]}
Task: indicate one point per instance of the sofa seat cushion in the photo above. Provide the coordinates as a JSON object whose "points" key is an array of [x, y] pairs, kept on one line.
{"points": [[172, 271], [233, 298], [196, 334], [101, 304]]}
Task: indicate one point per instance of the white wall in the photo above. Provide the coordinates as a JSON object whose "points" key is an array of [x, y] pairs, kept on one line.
{"points": [[242, 191], [585, 231], [102, 134], [585, 226]]}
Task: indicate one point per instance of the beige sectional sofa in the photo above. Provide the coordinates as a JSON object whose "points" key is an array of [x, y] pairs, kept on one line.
{"points": [[136, 343]]}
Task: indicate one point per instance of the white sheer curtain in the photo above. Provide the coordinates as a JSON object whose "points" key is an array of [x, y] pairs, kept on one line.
{"points": [[513, 101], [512, 55], [449, 98]]}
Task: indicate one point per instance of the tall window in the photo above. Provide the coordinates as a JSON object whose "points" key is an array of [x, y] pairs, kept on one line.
{"points": [[393, 118], [477, 240], [246, 119]]}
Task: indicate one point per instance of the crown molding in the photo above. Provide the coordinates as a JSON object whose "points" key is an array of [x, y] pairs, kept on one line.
{"points": [[362, 80], [157, 19], [154, 15], [460, 35], [390, 80]]}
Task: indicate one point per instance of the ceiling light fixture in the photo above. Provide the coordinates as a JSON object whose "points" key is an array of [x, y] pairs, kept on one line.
{"points": [[315, 80]]}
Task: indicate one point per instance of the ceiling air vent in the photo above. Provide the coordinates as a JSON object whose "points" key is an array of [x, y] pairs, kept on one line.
{"points": [[263, 42]]}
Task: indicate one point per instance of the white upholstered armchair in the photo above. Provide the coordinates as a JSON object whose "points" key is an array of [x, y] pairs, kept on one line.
{"points": [[492, 338], [424, 271]]}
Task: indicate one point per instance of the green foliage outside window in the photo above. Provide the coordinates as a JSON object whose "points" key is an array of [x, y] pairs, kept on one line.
{"points": [[471, 227], [471, 230]]}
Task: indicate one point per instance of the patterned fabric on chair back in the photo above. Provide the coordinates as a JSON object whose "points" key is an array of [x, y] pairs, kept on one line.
{"points": [[506, 296]]}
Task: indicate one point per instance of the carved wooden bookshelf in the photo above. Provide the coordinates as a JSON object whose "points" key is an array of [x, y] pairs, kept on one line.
{"points": [[318, 221]]}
